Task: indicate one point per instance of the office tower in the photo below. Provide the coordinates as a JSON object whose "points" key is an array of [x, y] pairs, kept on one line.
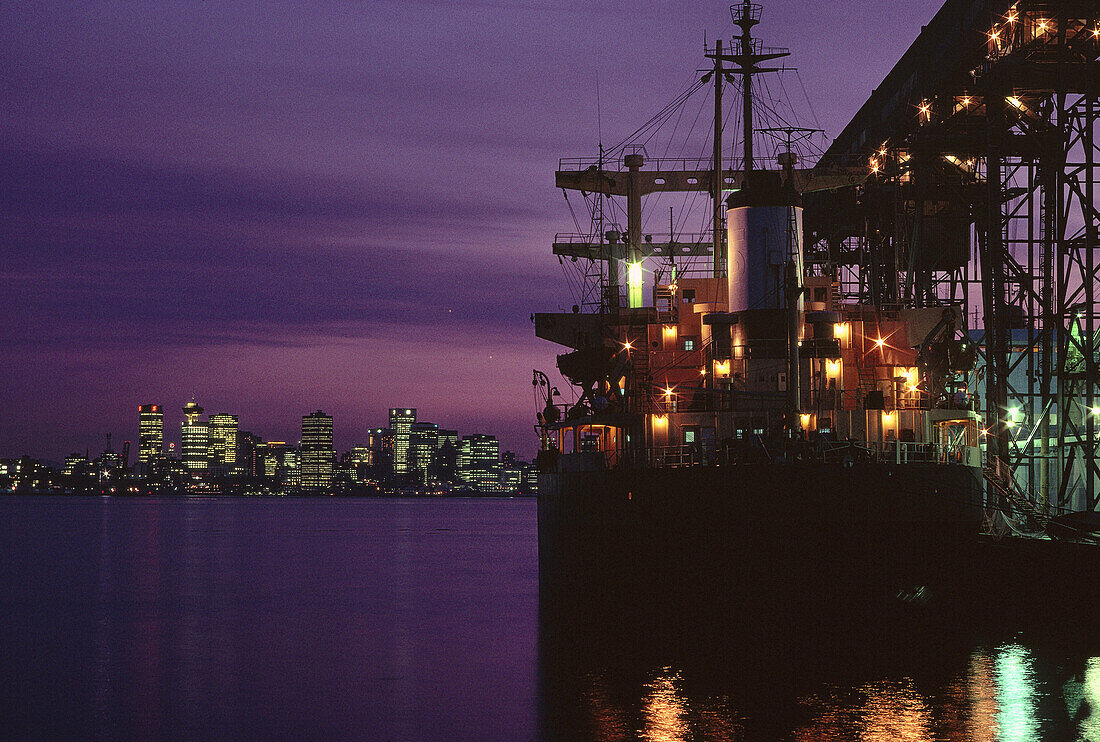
{"points": [[194, 439], [446, 455], [360, 461], [223, 440], [445, 437], [317, 453], [150, 432], [478, 461], [76, 464], [511, 477], [249, 454], [292, 469], [381, 452], [401, 421], [272, 458], [422, 445]]}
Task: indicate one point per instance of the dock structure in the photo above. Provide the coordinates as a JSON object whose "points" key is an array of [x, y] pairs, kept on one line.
{"points": [[980, 149]]}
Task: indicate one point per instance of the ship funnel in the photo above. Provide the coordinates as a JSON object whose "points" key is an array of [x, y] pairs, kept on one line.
{"points": [[764, 242]]}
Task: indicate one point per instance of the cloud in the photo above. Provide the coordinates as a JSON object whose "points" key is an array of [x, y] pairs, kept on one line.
{"points": [[109, 252]]}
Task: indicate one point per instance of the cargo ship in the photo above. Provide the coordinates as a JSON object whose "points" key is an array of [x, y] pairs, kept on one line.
{"points": [[750, 421]]}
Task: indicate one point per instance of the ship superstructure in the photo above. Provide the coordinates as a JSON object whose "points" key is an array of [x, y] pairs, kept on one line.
{"points": [[752, 358], [875, 374]]}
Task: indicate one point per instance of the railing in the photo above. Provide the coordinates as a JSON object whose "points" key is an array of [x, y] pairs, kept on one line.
{"points": [[907, 452], [616, 163], [680, 456], [845, 453], [613, 162]]}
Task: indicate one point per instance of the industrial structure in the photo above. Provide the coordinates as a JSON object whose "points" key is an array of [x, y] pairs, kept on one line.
{"points": [[957, 209], [982, 155]]}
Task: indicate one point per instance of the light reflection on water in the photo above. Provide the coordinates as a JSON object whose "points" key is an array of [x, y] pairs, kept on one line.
{"points": [[418, 620], [1014, 673], [1005, 694]]}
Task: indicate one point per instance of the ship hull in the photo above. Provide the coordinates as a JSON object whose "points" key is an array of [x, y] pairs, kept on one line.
{"points": [[807, 536], [804, 526]]}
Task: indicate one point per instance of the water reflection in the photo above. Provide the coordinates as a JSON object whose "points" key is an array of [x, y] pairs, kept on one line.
{"points": [[912, 681], [1087, 710], [665, 710], [982, 695], [1014, 670], [881, 711]]}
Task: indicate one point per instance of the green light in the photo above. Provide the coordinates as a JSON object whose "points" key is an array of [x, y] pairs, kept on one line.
{"points": [[1014, 673], [634, 282]]}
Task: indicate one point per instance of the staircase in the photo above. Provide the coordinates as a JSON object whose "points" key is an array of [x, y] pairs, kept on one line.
{"points": [[1000, 478]]}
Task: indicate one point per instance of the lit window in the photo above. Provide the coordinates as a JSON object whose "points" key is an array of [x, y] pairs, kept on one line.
{"points": [[689, 343]]}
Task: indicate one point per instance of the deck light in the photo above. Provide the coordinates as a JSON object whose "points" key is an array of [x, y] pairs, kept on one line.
{"points": [[879, 342], [634, 284], [1043, 25], [627, 345]]}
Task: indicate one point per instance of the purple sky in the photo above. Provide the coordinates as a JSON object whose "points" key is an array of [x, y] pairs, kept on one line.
{"points": [[340, 205]]}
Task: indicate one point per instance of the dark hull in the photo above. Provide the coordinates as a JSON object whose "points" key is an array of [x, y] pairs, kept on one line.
{"points": [[801, 534]]}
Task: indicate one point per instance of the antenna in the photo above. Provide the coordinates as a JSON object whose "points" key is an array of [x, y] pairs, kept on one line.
{"points": [[599, 115]]}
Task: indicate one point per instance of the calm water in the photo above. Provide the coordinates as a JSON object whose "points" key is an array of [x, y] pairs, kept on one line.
{"points": [[420, 620]]}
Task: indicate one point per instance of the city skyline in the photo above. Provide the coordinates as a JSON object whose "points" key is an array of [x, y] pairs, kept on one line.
{"points": [[156, 429], [285, 211]]}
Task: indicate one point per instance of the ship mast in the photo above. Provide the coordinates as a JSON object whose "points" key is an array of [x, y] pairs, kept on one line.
{"points": [[718, 181], [749, 55], [744, 62]]}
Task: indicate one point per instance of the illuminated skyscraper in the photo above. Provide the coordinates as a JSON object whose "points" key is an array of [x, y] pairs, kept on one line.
{"points": [[422, 445], [223, 440], [317, 453], [479, 461], [150, 432], [361, 460], [401, 421], [195, 439]]}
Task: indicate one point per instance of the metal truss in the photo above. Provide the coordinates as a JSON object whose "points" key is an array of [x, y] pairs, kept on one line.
{"points": [[985, 196]]}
